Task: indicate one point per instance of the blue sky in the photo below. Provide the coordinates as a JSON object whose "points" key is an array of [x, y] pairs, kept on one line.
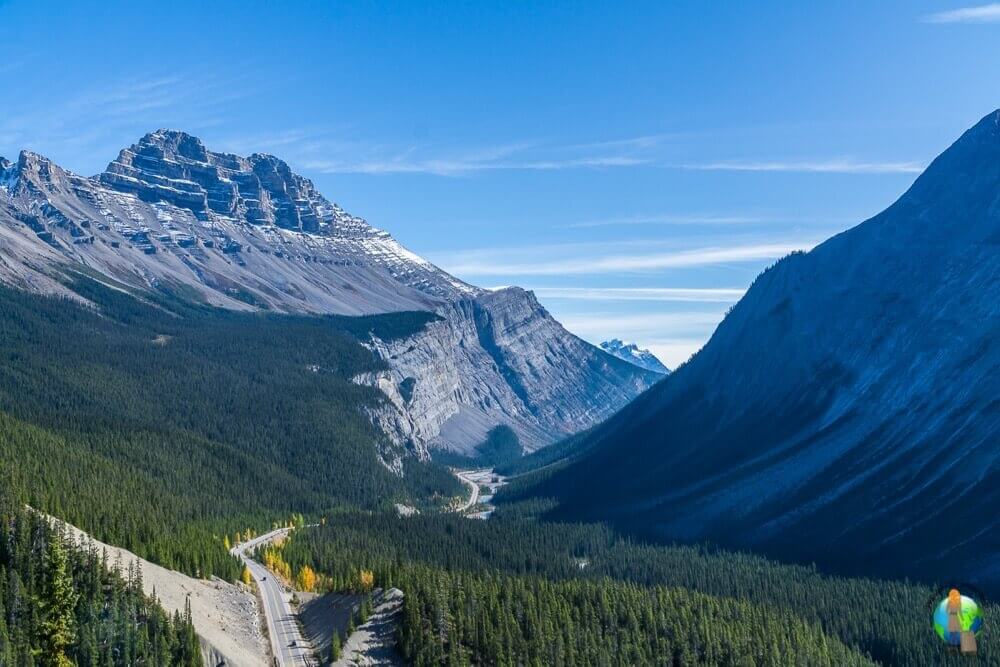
{"points": [[636, 164]]}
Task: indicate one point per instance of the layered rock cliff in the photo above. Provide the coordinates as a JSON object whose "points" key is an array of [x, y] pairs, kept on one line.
{"points": [[247, 233]]}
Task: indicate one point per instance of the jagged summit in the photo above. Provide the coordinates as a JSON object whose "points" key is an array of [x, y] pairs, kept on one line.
{"points": [[633, 354], [176, 167], [170, 214]]}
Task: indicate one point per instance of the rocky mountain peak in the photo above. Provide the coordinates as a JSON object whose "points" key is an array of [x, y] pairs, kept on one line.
{"points": [[635, 355], [30, 162], [34, 171], [963, 183], [860, 374], [176, 167], [248, 232], [175, 143]]}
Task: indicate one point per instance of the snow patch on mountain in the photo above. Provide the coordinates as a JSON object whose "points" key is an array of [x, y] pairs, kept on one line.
{"points": [[633, 354], [248, 233]]}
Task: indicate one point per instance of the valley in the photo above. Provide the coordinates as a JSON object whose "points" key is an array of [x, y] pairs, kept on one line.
{"points": [[224, 398], [845, 411], [483, 485]]}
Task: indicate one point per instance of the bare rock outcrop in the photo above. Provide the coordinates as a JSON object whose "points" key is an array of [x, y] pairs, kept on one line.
{"points": [[248, 233]]}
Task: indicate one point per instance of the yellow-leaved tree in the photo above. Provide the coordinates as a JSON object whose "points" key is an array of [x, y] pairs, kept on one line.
{"points": [[306, 579], [246, 578], [366, 580]]}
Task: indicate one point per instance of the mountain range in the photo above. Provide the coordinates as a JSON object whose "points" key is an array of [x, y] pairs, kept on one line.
{"points": [[633, 354], [847, 410], [246, 233]]}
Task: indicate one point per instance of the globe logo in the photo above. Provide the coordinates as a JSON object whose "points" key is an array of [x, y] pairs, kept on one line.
{"points": [[957, 620]]}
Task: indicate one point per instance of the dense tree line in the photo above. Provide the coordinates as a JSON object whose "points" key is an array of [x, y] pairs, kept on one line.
{"points": [[463, 618], [61, 605], [160, 425], [889, 622]]}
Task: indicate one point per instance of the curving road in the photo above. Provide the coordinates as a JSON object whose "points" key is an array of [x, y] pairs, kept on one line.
{"points": [[287, 643], [465, 476]]}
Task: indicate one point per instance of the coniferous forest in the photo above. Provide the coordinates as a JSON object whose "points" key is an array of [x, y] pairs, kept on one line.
{"points": [[61, 605], [160, 425], [164, 426], [517, 590]]}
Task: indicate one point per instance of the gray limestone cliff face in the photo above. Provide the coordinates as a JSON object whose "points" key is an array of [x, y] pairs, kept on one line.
{"points": [[247, 233], [175, 167], [499, 358]]}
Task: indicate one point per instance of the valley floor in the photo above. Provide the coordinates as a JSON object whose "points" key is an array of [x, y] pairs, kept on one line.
{"points": [[477, 480]]}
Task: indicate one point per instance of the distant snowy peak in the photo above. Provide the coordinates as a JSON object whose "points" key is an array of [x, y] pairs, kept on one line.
{"points": [[8, 175], [633, 354]]}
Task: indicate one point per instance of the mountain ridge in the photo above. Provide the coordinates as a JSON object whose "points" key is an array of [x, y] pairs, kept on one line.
{"points": [[845, 410], [247, 233]]}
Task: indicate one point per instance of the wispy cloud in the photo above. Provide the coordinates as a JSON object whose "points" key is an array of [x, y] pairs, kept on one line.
{"points": [[645, 325], [481, 265], [978, 14], [521, 155], [461, 166], [85, 128], [833, 166], [668, 294], [641, 142], [668, 219]]}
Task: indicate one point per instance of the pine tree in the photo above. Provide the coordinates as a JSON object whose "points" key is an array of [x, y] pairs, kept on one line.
{"points": [[58, 602], [6, 652]]}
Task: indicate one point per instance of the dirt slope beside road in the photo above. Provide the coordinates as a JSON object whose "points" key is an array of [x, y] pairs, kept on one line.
{"points": [[225, 615]]}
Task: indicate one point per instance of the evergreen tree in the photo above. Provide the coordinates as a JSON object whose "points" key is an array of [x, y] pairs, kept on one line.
{"points": [[57, 606]]}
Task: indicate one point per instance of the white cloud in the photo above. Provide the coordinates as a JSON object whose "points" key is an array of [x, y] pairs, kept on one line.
{"points": [[478, 264], [669, 220], [669, 294], [978, 14], [522, 155], [83, 129], [643, 325], [642, 142], [833, 166], [461, 166]]}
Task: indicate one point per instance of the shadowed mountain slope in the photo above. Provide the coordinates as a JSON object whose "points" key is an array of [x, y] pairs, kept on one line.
{"points": [[847, 410]]}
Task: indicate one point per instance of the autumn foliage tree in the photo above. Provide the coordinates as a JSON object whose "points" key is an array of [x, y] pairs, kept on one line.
{"points": [[306, 579]]}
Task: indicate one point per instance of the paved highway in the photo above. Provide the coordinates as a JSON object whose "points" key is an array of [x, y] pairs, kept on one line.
{"points": [[287, 643], [465, 476]]}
